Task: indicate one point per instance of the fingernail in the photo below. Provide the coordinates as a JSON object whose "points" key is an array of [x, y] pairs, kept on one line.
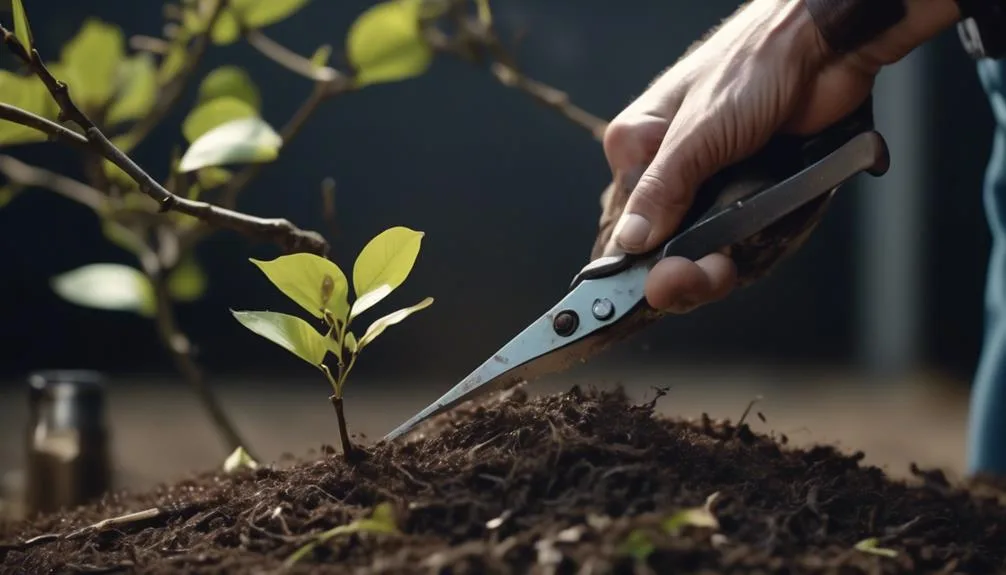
{"points": [[631, 231]]}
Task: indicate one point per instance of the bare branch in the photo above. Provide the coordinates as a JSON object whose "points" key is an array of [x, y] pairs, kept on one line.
{"points": [[279, 231], [25, 175], [56, 132], [289, 59]]}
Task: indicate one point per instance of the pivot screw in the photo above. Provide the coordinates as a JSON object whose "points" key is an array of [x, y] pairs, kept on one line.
{"points": [[565, 323], [603, 309]]}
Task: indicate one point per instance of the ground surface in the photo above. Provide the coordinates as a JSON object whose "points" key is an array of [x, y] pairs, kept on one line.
{"points": [[577, 482]]}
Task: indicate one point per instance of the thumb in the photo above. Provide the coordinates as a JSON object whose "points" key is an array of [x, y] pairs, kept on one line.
{"points": [[666, 188]]}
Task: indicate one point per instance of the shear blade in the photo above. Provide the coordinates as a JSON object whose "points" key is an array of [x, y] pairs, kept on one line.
{"points": [[597, 304]]}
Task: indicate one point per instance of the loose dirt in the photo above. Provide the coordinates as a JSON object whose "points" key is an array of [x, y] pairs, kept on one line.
{"points": [[580, 482]]}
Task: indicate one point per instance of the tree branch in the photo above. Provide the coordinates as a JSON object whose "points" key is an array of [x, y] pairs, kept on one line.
{"points": [[279, 231], [21, 173], [55, 132]]}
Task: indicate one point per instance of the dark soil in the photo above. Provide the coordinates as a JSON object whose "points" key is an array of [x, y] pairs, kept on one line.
{"points": [[570, 483]]}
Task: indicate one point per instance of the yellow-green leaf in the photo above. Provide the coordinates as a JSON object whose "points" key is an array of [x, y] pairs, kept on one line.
{"points": [[872, 547], [215, 113], [91, 59], [213, 177], [307, 279], [694, 517], [107, 286], [379, 325], [136, 89], [174, 61], [22, 31], [187, 282], [227, 30], [382, 521], [237, 459], [383, 264], [242, 141], [287, 331], [8, 193], [351, 344], [261, 13], [320, 57], [29, 94], [386, 44], [637, 545], [485, 14], [230, 81]]}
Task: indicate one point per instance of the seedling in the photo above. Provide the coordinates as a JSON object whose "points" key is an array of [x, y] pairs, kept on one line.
{"points": [[381, 521], [320, 287]]}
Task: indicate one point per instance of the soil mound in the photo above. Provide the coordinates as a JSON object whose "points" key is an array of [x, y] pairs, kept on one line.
{"points": [[580, 482]]}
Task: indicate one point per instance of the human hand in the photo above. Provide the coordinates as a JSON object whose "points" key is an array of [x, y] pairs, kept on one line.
{"points": [[766, 70]]}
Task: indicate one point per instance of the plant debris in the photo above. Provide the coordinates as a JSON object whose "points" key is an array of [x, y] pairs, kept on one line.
{"points": [[579, 482]]}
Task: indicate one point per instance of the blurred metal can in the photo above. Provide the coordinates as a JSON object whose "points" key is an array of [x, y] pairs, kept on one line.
{"points": [[68, 462]]}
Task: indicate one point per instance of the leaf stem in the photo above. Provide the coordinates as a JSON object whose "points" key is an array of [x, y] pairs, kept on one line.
{"points": [[348, 453]]}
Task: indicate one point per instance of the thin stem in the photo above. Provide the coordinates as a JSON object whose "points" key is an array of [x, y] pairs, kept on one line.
{"points": [[179, 346], [348, 453], [56, 132], [21, 173], [289, 59]]}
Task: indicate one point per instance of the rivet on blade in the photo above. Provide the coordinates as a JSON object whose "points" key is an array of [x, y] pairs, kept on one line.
{"points": [[565, 323], [603, 309]]}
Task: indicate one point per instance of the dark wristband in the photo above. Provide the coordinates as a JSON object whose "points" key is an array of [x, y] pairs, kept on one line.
{"points": [[849, 24]]}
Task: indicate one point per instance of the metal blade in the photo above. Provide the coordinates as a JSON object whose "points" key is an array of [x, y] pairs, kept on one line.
{"points": [[597, 305]]}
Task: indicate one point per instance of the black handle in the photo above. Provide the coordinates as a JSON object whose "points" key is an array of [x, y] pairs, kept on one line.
{"points": [[747, 197]]}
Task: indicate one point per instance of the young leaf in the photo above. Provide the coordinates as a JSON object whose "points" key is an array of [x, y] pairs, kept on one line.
{"points": [[91, 59], [378, 327], [22, 31], [29, 94], [237, 459], [637, 545], [136, 89], [247, 140], [187, 283], [485, 14], [385, 43], [871, 546], [227, 30], [213, 177], [320, 57], [174, 61], [351, 344], [230, 81], [302, 278], [215, 113], [383, 264], [381, 521], [287, 331], [107, 286], [694, 517], [262, 13]]}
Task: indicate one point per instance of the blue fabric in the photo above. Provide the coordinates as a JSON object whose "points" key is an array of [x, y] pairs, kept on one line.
{"points": [[987, 425]]}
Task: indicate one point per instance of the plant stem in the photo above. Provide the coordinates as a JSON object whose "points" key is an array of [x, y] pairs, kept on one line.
{"points": [[180, 347], [347, 447]]}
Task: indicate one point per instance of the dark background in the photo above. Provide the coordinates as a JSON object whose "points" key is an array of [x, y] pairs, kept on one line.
{"points": [[507, 192]]}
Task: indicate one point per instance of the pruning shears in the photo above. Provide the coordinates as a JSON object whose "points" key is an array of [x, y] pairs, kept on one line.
{"points": [[606, 302]]}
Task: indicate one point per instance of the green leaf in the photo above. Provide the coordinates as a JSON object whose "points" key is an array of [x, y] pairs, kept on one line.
{"points": [[385, 43], [230, 81], [379, 325], [212, 177], [187, 283], [694, 517], [91, 59], [29, 94], [174, 61], [8, 193], [351, 345], [320, 57], [307, 279], [227, 30], [122, 236], [213, 114], [382, 266], [107, 286], [637, 545], [243, 141], [261, 13], [237, 459], [381, 521], [485, 14], [136, 89], [287, 331], [871, 546], [22, 31]]}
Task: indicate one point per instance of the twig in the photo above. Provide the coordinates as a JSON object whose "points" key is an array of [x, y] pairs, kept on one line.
{"points": [[21, 173], [277, 230], [289, 59], [55, 132], [180, 347], [172, 93]]}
